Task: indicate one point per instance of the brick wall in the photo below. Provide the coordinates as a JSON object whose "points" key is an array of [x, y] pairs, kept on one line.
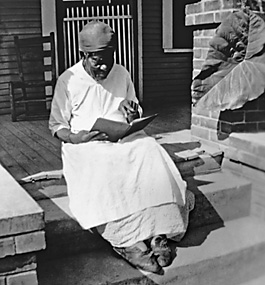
{"points": [[249, 118], [201, 40], [207, 15], [210, 11], [216, 126]]}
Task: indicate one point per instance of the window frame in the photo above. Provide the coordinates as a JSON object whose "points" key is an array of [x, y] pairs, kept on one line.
{"points": [[167, 29]]}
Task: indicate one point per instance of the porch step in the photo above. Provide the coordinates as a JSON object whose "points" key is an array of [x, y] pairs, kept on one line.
{"points": [[249, 142], [247, 148], [257, 281], [219, 197], [232, 254]]}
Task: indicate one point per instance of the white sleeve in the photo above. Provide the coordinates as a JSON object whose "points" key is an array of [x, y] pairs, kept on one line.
{"points": [[60, 109]]}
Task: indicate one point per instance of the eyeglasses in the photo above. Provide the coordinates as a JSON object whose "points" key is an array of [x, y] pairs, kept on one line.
{"points": [[99, 58]]}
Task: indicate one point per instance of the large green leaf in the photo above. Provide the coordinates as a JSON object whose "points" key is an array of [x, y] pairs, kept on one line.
{"points": [[234, 70], [245, 82]]}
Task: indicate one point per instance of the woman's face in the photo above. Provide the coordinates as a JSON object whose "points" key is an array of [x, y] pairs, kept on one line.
{"points": [[99, 64]]}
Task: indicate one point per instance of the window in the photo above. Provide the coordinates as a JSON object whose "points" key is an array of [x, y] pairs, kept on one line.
{"points": [[176, 36]]}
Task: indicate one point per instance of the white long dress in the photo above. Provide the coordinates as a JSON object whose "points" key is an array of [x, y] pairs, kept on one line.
{"points": [[131, 188]]}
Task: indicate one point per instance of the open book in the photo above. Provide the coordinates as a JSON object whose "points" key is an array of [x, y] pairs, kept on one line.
{"points": [[118, 130]]}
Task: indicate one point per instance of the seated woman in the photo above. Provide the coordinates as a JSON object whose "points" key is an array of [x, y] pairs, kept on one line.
{"points": [[130, 190]]}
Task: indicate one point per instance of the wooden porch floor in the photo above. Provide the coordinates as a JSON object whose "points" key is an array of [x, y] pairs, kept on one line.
{"points": [[27, 147]]}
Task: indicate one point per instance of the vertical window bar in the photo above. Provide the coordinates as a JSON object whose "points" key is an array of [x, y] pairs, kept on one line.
{"points": [[65, 45], [87, 11], [103, 12], [82, 15], [129, 41], [124, 37], [97, 11], [68, 50], [92, 11], [73, 38], [108, 15], [78, 21], [113, 27], [78, 30], [119, 33], [112, 14]]}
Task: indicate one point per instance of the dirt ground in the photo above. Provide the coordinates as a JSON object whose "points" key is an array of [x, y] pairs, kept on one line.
{"points": [[171, 117]]}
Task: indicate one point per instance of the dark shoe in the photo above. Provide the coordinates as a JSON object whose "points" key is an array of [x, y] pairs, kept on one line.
{"points": [[140, 257], [161, 249]]}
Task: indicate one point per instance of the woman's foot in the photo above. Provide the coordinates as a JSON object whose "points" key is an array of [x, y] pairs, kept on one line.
{"points": [[140, 257], [161, 249]]}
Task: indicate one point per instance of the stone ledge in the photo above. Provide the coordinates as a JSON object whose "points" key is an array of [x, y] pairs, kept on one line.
{"points": [[7, 247], [22, 243], [21, 233], [29, 278], [19, 213], [30, 242], [11, 265]]}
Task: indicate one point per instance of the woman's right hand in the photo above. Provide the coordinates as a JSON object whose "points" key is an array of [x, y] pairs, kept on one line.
{"points": [[129, 109], [86, 136]]}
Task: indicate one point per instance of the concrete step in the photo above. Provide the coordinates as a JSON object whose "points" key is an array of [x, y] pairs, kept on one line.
{"points": [[247, 148], [232, 254], [252, 143], [219, 197]]}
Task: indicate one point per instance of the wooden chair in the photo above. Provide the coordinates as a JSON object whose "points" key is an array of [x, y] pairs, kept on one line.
{"points": [[31, 95]]}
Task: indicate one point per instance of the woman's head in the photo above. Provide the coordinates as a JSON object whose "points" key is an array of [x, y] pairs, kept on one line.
{"points": [[97, 44], [97, 36]]}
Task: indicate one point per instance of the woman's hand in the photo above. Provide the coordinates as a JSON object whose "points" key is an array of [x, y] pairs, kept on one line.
{"points": [[86, 136], [83, 136], [129, 109]]}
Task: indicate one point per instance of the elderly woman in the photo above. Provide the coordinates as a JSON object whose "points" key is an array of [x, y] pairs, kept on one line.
{"points": [[130, 190]]}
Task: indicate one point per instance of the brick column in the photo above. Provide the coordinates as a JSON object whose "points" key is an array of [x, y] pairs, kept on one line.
{"points": [[210, 125], [207, 14], [240, 132]]}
